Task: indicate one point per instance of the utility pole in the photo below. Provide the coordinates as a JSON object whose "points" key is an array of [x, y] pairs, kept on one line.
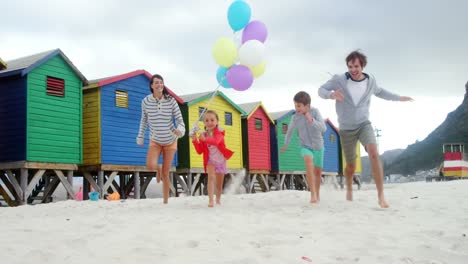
{"points": [[377, 136]]}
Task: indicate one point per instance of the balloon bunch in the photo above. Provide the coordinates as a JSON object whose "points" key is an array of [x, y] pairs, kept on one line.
{"points": [[241, 64]]}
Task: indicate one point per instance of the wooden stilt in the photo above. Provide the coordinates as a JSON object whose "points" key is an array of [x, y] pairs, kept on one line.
{"points": [[109, 181], [181, 181], [189, 180], [15, 184], [100, 183], [196, 183], [305, 181], [65, 183], [34, 181], [171, 184], [249, 180], [90, 180], [70, 181], [6, 196], [24, 185], [136, 183], [11, 188], [49, 190], [147, 181]]}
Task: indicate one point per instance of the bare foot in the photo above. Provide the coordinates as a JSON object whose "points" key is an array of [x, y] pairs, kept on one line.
{"points": [[312, 200], [349, 195], [164, 202], [210, 204], [383, 203], [218, 202]]}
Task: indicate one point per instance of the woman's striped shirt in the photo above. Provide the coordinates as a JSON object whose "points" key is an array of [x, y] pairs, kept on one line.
{"points": [[160, 116]]}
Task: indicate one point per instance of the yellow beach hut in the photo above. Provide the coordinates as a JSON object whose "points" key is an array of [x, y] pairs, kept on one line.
{"points": [[229, 120]]}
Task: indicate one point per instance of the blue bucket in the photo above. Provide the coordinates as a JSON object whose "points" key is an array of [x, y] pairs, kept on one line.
{"points": [[94, 196]]}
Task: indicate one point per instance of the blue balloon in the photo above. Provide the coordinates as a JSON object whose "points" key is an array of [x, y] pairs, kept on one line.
{"points": [[239, 15], [221, 76]]}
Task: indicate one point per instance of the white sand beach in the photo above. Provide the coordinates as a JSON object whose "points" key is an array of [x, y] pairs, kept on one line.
{"points": [[426, 223]]}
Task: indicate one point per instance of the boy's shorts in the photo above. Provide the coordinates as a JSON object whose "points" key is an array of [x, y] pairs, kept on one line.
{"points": [[317, 155], [365, 134]]}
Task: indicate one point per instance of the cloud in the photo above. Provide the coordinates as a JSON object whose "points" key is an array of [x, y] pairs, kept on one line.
{"points": [[414, 47]]}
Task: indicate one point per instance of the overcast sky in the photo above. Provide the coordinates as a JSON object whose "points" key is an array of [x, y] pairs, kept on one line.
{"points": [[415, 48]]}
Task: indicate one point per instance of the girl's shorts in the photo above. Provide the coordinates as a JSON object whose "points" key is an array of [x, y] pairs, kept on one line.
{"points": [[220, 167]]}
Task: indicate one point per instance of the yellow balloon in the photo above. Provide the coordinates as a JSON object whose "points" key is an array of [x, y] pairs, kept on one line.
{"points": [[258, 69], [225, 52]]}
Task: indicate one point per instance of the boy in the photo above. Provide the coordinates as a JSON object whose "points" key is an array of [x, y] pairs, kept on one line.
{"points": [[310, 126], [352, 92]]}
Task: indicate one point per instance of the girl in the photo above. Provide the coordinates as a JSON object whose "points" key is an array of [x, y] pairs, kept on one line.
{"points": [[211, 144], [158, 110]]}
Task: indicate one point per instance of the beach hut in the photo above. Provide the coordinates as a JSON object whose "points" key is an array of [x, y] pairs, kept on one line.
{"points": [[256, 144], [357, 172], [229, 119], [111, 118], [288, 168], [40, 124], [290, 161], [3, 64], [331, 155]]}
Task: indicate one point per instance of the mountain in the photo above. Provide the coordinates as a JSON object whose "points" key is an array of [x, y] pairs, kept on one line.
{"points": [[427, 154], [387, 158]]}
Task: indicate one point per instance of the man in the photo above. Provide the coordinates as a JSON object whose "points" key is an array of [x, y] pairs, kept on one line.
{"points": [[352, 92]]}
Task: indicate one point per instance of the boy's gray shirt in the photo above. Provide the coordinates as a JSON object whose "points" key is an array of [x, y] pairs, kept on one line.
{"points": [[351, 116], [310, 135]]}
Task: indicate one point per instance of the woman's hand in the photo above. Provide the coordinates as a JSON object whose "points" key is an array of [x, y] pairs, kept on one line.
{"points": [[177, 132]]}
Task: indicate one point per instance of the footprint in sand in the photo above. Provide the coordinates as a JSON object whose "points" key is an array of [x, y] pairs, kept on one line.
{"points": [[192, 244]]}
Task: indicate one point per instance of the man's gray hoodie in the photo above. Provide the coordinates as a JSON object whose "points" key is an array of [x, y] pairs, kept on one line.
{"points": [[351, 116]]}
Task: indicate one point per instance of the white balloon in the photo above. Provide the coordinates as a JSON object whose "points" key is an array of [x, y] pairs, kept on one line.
{"points": [[252, 52], [237, 38]]}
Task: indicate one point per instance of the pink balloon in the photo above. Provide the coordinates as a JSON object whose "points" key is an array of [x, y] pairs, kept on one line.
{"points": [[255, 30], [240, 77]]}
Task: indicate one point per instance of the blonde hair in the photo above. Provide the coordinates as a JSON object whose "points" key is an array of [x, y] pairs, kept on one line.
{"points": [[211, 112]]}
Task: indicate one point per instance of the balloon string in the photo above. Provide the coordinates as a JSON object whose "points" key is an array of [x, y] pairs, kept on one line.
{"points": [[195, 124]]}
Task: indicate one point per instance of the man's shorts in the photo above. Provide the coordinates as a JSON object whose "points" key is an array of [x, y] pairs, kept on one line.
{"points": [[365, 134], [317, 155]]}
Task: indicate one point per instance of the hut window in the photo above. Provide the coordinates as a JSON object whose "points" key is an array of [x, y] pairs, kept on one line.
{"points": [[228, 118], [258, 124], [55, 86], [284, 128], [121, 99], [332, 138], [201, 110]]}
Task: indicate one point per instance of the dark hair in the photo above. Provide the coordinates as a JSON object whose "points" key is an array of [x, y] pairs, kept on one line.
{"points": [[165, 92], [302, 97], [357, 55]]}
